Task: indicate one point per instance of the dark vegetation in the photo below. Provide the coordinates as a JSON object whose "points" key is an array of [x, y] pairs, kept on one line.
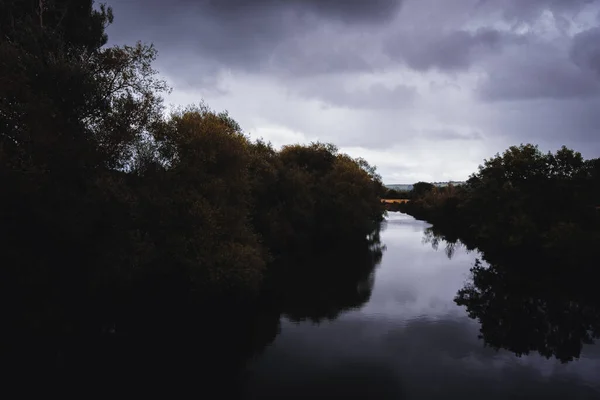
{"points": [[534, 218], [396, 194], [520, 198], [117, 220]]}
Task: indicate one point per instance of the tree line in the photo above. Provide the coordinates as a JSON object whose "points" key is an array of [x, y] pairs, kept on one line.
{"points": [[108, 200], [520, 197]]}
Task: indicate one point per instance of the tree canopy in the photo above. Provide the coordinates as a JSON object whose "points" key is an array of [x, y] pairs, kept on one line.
{"points": [[522, 195]]}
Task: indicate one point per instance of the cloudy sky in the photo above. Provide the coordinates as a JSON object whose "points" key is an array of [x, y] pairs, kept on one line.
{"points": [[424, 89]]}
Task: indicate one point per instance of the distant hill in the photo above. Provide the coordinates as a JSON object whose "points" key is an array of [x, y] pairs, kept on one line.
{"points": [[405, 187], [400, 187]]}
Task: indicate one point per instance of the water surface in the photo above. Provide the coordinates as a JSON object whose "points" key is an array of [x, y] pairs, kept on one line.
{"points": [[410, 340]]}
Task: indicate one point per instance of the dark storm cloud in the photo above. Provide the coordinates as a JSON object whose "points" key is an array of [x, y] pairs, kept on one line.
{"points": [[526, 10], [546, 71], [299, 58], [447, 52], [527, 81], [348, 11], [585, 50], [438, 39], [550, 123], [252, 36], [451, 48], [312, 37]]}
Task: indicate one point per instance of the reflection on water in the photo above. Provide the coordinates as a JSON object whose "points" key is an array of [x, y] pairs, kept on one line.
{"points": [[543, 313], [168, 340], [527, 300], [324, 286], [399, 318], [412, 340]]}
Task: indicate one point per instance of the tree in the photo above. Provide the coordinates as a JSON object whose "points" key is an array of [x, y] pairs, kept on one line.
{"points": [[392, 194], [71, 112], [327, 196], [76, 23], [204, 199], [421, 188]]}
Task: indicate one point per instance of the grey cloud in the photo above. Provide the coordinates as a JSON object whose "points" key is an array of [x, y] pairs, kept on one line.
{"points": [[542, 82], [585, 50], [546, 71], [448, 52], [349, 11], [450, 134], [451, 48], [551, 124], [538, 70], [287, 38], [299, 57], [281, 38], [375, 97], [526, 10]]}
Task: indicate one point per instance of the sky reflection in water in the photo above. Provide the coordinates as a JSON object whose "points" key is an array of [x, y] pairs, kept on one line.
{"points": [[410, 340]]}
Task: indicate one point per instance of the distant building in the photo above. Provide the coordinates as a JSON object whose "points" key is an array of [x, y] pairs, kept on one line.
{"points": [[408, 187]]}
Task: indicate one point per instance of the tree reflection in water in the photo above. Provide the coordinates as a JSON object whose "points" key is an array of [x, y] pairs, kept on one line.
{"points": [[327, 284], [531, 299], [168, 340]]}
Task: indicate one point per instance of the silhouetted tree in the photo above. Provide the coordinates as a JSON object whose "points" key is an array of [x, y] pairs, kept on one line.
{"points": [[522, 196], [53, 158], [421, 188], [114, 211]]}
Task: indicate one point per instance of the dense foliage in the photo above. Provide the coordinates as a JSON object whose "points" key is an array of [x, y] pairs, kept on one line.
{"points": [[111, 208], [520, 197], [396, 194]]}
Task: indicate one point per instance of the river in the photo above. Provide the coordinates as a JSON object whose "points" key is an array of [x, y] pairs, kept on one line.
{"points": [[410, 340]]}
